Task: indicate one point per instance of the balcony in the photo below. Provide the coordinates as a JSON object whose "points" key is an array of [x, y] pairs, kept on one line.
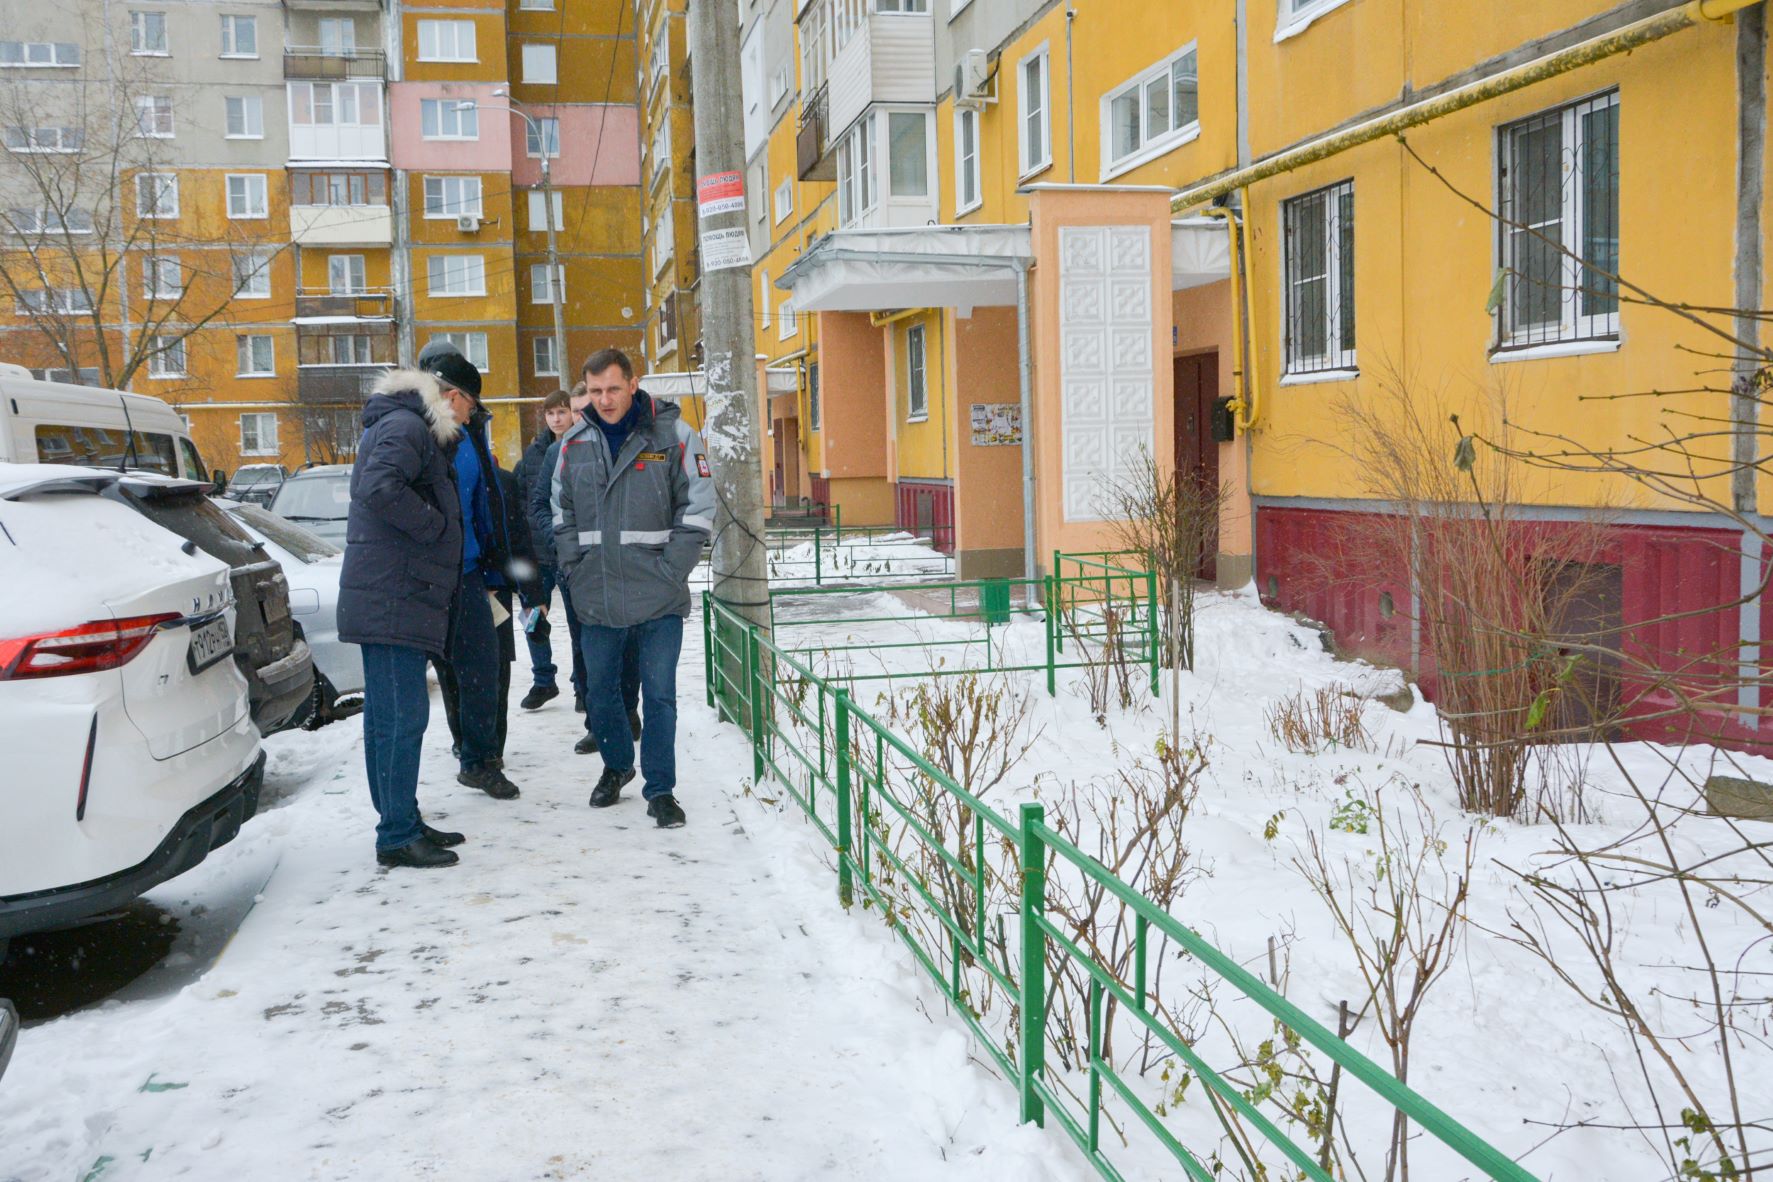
{"points": [[314, 61], [812, 140], [336, 385], [335, 5], [887, 58], [340, 359], [341, 225], [372, 305]]}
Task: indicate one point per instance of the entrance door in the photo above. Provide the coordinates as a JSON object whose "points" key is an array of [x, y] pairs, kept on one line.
{"points": [[1197, 455]]}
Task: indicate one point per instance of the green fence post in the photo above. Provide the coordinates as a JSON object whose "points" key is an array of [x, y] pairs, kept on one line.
{"points": [[707, 648], [754, 692], [845, 887], [1052, 633], [818, 563], [837, 520], [1151, 630], [1055, 589], [1033, 1001]]}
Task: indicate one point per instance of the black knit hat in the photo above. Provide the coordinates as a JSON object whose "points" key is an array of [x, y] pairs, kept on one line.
{"points": [[446, 361]]}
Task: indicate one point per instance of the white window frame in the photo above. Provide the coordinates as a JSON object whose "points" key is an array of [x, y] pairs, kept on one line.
{"points": [[917, 377], [252, 281], [443, 271], [1150, 147], [763, 298], [1337, 361], [355, 274], [58, 55], [154, 119], [536, 5], [540, 290], [549, 368], [165, 184], [471, 345], [536, 221], [1293, 17], [444, 208], [1027, 163], [246, 355], [35, 140], [855, 168], [436, 113], [166, 357], [433, 32], [155, 269], [231, 26], [248, 209], [787, 323], [886, 151], [966, 168], [548, 140], [784, 200], [252, 116], [532, 60], [664, 240], [345, 47], [140, 23], [261, 446], [43, 220], [358, 349]]}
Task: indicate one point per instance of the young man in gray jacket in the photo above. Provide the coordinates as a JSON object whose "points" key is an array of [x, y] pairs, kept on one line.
{"points": [[633, 503]]}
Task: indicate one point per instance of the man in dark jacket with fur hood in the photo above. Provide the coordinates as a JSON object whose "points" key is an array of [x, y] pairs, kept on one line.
{"points": [[402, 564]]}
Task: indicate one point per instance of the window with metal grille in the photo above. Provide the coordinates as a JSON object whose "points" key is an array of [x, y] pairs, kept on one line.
{"points": [[1558, 192], [1319, 268]]}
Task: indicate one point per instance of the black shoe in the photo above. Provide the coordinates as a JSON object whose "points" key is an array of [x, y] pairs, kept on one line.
{"points": [[587, 745], [609, 788], [441, 838], [490, 780], [578, 703], [664, 810], [421, 853], [634, 724], [539, 696]]}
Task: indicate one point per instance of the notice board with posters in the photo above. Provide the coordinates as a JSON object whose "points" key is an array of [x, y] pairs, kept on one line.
{"points": [[996, 424]]}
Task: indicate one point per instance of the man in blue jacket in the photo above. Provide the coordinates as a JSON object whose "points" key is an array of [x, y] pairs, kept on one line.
{"points": [[403, 546]]}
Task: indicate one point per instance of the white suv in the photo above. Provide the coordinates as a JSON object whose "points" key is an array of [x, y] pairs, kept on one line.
{"points": [[130, 747]]}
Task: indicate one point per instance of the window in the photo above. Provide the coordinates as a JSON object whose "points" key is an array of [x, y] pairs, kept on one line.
{"points": [[537, 224], [54, 301], [338, 36], [166, 357], [538, 63], [812, 396], [1318, 257], [446, 41], [258, 434], [25, 222], [147, 33], [1296, 15], [662, 146], [787, 324], [252, 273], [457, 275], [351, 348], [153, 116], [255, 357], [1153, 113], [247, 195], [163, 277], [665, 328], [344, 274], [246, 116], [763, 298], [780, 81], [908, 169], [966, 161], [240, 36], [338, 188], [1031, 105], [39, 54], [452, 196], [545, 366], [335, 104], [855, 172], [157, 195], [784, 199], [540, 292], [85, 376], [661, 60], [918, 406], [1559, 198], [664, 239], [537, 5], [471, 345], [901, 5], [545, 132], [449, 119], [757, 193], [44, 139]]}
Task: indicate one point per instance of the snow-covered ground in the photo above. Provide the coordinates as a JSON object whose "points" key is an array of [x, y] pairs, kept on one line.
{"points": [[864, 556]]}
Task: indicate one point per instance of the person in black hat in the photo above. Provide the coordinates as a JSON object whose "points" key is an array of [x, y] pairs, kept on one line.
{"points": [[469, 672]]}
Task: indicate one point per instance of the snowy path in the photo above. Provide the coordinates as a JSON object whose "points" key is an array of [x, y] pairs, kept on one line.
{"points": [[583, 997]]}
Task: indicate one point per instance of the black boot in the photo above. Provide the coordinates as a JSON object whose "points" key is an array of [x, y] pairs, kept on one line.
{"points": [[664, 810], [538, 696], [609, 788], [490, 780], [634, 724], [587, 744], [578, 703], [420, 853], [441, 838]]}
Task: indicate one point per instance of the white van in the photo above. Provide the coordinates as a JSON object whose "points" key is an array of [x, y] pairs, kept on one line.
{"points": [[54, 423]]}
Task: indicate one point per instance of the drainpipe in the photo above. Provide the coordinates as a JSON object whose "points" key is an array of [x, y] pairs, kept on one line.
{"points": [[1025, 371], [1751, 155], [1070, 114], [1621, 40]]}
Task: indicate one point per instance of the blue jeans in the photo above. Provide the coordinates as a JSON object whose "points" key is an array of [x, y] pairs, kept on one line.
{"points": [[541, 653], [656, 645], [396, 708], [474, 664]]}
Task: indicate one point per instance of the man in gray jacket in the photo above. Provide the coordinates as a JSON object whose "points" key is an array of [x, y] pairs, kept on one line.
{"points": [[633, 503]]}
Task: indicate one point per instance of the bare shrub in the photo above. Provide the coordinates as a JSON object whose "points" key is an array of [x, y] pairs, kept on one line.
{"points": [[1327, 718], [1110, 679]]}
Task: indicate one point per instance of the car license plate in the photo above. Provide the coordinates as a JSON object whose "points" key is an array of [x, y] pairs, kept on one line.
{"points": [[209, 643]]}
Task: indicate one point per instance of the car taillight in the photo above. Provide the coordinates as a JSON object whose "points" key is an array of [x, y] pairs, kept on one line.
{"points": [[102, 644]]}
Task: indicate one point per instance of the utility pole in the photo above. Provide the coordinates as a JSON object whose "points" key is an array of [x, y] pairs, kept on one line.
{"points": [[729, 344]]}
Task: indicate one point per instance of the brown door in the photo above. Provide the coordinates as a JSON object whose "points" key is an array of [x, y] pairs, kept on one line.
{"points": [[1197, 455]]}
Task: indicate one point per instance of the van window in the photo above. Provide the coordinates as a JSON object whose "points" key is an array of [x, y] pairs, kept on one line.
{"points": [[193, 461], [99, 447]]}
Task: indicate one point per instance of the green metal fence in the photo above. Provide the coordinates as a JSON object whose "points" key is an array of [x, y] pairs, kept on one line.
{"points": [[966, 888]]}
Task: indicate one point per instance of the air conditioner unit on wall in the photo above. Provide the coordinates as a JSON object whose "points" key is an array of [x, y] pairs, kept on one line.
{"points": [[468, 224], [972, 79]]}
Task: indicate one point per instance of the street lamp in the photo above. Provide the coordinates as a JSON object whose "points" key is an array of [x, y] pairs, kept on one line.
{"points": [[556, 284]]}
